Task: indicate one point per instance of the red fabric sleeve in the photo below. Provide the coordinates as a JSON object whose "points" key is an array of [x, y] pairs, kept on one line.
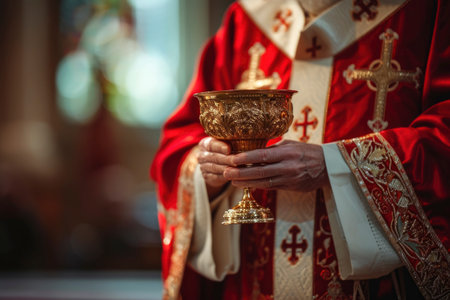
{"points": [[424, 146]]}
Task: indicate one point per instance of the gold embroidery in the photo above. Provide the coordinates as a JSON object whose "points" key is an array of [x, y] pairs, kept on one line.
{"points": [[254, 78], [327, 261], [258, 249], [383, 76], [391, 196], [181, 220]]}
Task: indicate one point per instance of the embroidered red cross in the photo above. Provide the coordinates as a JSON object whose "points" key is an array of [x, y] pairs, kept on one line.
{"points": [[364, 7], [282, 19], [306, 110], [294, 245], [314, 47]]}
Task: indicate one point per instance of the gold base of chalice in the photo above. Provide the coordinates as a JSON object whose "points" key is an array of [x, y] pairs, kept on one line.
{"points": [[247, 211], [246, 120]]}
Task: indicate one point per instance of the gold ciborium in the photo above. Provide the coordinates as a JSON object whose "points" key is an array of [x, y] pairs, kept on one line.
{"points": [[246, 120]]}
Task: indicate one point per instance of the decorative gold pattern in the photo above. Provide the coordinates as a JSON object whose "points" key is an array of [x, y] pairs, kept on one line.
{"points": [[246, 120], [179, 226], [254, 77], [391, 196], [386, 74], [259, 253], [248, 211], [326, 260]]}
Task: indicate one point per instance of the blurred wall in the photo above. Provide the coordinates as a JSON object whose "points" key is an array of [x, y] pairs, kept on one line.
{"points": [[75, 196], [29, 163]]}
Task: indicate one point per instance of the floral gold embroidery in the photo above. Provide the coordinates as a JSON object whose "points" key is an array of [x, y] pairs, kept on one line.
{"points": [[179, 226], [391, 196]]}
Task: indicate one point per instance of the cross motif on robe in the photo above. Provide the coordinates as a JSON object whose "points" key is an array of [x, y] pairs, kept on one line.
{"points": [[306, 110], [383, 76], [282, 19], [294, 245], [366, 8], [314, 47], [254, 77]]}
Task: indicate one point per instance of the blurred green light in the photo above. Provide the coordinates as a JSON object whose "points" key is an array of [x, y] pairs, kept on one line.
{"points": [[147, 86], [78, 94]]}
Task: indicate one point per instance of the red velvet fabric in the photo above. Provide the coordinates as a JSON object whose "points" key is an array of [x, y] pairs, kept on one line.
{"points": [[424, 146], [419, 119]]}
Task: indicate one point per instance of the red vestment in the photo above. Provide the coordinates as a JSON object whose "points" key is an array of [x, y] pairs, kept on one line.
{"points": [[403, 170]]}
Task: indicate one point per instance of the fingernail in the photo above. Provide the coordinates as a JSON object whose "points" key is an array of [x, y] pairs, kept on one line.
{"points": [[227, 173]]}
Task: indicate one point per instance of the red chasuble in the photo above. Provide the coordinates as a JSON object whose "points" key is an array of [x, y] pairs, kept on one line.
{"points": [[386, 105]]}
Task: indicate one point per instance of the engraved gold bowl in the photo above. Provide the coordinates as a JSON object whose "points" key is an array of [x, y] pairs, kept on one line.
{"points": [[246, 120]]}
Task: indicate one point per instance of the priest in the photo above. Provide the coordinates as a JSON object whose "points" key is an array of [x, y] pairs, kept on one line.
{"points": [[359, 185]]}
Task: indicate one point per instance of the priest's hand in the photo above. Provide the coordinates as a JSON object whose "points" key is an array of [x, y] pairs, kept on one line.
{"points": [[289, 165], [213, 159]]}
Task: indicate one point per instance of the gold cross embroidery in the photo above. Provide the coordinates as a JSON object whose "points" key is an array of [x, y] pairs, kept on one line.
{"points": [[254, 77], [383, 76]]}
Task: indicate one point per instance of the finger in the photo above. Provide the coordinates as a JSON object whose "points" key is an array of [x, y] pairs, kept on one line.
{"points": [[214, 179], [213, 145], [212, 168], [215, 158], [262, 172], [266, 155], [246, 173], [270, 183]]}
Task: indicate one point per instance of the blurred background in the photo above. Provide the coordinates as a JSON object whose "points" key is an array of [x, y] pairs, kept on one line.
{"points": [[85, 88]]}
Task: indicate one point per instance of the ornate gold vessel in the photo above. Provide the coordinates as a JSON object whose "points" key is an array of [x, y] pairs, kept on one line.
{"points": [[246, 120]]}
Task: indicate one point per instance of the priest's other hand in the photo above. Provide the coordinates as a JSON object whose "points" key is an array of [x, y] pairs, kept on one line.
{"points": [[213, 159], [289, 165]]}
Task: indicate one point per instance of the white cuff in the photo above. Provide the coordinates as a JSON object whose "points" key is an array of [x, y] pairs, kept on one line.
{"points": [[214, 250], [362, 250]]}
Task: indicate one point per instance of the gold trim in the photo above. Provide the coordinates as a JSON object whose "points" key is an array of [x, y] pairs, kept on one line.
{"points": [[413, 238], [182, 221]]}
